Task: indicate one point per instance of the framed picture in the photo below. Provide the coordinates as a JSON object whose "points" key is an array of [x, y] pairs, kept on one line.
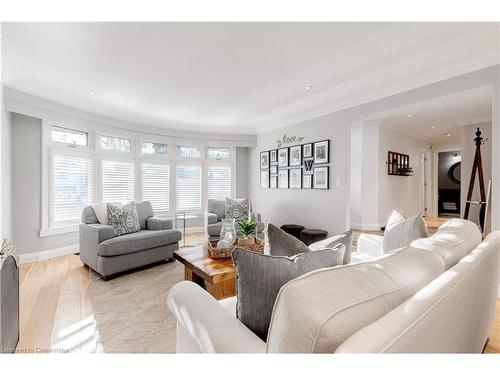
{"points": [[322, 152], [296, 178], [264, 179], [274, 169], [274, 155], [283, 157], [274, 182], [307, 181], [296, 156], [283, 179], [307, 150], [264, 160], [321, 178]]}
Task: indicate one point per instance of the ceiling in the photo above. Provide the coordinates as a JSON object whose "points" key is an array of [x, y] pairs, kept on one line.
{"points": [[235, 77], [432, 120]]}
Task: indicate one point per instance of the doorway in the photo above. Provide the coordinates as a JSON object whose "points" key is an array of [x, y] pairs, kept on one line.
{"points": [[449, 181]]}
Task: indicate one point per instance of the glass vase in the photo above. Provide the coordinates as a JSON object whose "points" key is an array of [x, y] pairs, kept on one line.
{"points": [[228, 230]]}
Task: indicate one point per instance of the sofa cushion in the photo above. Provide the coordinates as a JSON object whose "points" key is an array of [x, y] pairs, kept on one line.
{"points": [[237, 209], [123, 218], [453, 240], [260, 277], [218, 207], [401, 232], [344, 238], [144, 211], [284, 244], [138, 241], [345, 299], [88, 216]]}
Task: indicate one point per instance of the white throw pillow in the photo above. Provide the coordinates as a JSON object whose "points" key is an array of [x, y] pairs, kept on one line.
{"points": [[101, 212], [401, 232]]}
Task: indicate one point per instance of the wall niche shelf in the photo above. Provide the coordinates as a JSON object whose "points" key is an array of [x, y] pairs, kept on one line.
{"points": [[398, 164]]}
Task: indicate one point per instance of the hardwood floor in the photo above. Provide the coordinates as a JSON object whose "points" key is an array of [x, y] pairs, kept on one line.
{"points": [[57, 313]]}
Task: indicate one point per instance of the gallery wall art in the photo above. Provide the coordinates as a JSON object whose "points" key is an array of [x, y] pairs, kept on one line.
{"points": [[302, 166]]}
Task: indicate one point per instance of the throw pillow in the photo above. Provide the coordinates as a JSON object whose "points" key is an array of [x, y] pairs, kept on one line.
{"points": [[283, 244], [401, 232], [237, 209], [123, 219], [344, 238], [259, 278], [101, 212]]}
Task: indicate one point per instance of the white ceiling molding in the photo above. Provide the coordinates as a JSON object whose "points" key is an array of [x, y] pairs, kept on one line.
{"points": [[235, 78]]}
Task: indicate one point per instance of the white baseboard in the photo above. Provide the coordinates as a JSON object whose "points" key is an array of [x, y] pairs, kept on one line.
{"points": [[38, 256]]}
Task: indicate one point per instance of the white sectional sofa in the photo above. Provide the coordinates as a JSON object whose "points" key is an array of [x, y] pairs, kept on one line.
{"points": [[436, 296]]}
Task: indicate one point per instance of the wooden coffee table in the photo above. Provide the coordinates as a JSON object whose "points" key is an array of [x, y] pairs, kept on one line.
{"points": [[217, 276]]}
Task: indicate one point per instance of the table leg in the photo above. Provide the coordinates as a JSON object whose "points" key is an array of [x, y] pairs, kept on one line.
{"points": [[223, 289]]}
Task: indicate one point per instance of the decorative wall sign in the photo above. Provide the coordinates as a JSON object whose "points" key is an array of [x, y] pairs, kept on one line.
{"points": [[283, 179], [264, 160], [274, 169], [296, 178], [274, 155], [274, 182], [264, 179], [307, 150], [321, 178], [285, 140], [283, 157], [308, 165], [296, 156], [307, 181], [398, 164], [322, 152]]}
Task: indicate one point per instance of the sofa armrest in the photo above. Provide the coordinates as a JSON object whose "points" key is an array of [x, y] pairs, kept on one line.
{"points": [[213, 328], [212, 218], [156, 223], [370, 244], [96, 233]]}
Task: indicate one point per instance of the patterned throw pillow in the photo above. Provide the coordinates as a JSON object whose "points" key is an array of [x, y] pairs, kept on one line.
{"points": [[123, 219], [237, 209]]}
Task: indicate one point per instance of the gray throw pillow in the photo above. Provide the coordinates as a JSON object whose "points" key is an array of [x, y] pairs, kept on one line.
{"points": [[237, 209], [401, 232], [344, 238], [123, 219], [284, 244], [259, 278]]}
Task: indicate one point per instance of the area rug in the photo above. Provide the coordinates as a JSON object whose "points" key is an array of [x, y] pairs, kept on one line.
{"points": [[130, 311]]}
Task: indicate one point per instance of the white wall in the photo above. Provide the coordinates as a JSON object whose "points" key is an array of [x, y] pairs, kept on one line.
{"points": [[5, 176], [468, 151], [330, 210]]}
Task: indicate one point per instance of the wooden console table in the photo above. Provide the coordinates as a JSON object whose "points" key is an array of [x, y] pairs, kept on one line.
{"points": [[217, 276]]}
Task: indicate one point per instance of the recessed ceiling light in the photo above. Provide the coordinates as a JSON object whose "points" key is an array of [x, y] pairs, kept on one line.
{"points": [[92, 93], [410, 115], [307, 87], [447, 134], [434, 127]]}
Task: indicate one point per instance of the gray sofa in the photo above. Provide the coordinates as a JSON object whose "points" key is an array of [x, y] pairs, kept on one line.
{"points": [[216, 211], [109, 255]]}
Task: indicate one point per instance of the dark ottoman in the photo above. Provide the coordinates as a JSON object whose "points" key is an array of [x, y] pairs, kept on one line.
{"points": [[309, 236], [293, 229]]}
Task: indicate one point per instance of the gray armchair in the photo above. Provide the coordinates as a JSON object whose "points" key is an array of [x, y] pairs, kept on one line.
{"points": [[109, 255], [216, 211]]}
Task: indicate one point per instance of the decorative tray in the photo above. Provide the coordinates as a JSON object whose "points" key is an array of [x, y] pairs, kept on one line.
{"points": [[215, 253]]}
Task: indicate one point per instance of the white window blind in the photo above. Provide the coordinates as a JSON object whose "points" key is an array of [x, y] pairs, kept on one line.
{"points": [[156, 185], [188, 187], [117, 181], [72, 186], [219, 182]]}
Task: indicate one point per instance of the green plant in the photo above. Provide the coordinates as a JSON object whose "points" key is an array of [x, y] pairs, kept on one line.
{"points": [[247, 227]]}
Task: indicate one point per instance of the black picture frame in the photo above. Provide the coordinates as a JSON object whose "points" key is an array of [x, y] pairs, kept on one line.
{"points": [[291, 183], [283, 159], [325, 157], [283, 176], [315, 182], [264, 179], [274, 169], [273, 156], [298, 161], [307, 150], [273, 183], [264, 155], [307, 181]]}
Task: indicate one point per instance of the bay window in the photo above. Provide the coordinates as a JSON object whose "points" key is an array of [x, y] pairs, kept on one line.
{"points": [[188, 187]]}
